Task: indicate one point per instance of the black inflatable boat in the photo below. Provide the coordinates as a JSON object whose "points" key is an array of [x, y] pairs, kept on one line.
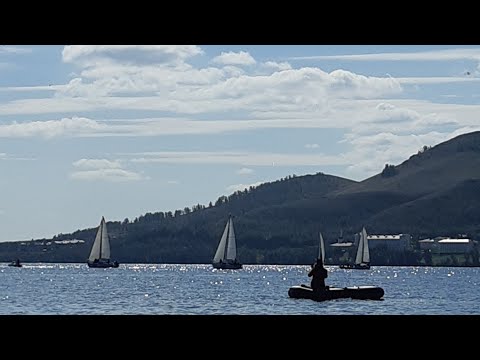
{"points": [[331, 293]]}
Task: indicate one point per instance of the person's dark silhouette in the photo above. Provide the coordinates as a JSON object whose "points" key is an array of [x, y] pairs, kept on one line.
{"points": [[318, 274]]}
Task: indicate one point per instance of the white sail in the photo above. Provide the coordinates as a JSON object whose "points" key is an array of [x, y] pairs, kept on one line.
{"points": [[363, 253], [358, 258], [219, 255], [231, 253], [101, 245], [366, 251], [321, 249]]}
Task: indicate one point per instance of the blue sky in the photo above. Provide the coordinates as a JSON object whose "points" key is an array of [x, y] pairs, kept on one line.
{"points": [[99, 130]]}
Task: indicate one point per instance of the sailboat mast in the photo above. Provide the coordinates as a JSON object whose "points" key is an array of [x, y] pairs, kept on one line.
{"points": [[359, 256], [225, 251], [101, 237], [366, 252]]}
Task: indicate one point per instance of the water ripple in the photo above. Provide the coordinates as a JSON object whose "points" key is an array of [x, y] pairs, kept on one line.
{"points": [[254, 290]]}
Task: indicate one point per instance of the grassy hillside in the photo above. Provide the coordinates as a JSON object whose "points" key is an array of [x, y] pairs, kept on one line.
{"points": [[430, 171], [448, 212]]}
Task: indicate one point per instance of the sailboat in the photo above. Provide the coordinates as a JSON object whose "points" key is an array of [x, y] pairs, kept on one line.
{"points": [[100, 253], [15, 263], [362, 259], [226, 254]]}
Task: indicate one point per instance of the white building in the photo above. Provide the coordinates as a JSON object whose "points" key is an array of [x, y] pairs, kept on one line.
{"points": [[400, 242], [69, 242], [342, 245], [453, 246]]}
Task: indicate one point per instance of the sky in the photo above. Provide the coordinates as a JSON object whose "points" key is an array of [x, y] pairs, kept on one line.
{"points": [[121, 130]]}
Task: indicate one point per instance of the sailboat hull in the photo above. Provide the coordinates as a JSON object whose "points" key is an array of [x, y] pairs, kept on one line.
{"points": [[355, 266], [102, 264], [225, 265], [332, 293]]}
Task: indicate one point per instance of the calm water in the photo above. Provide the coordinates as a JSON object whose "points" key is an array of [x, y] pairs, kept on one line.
{"points": [[254, 290]]}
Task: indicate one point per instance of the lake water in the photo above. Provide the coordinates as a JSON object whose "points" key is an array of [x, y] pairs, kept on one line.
{"points": [[255, 290]]}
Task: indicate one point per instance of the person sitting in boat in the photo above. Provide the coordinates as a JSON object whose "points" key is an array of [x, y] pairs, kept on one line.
{"points": [[17, 262], [318, 274]]}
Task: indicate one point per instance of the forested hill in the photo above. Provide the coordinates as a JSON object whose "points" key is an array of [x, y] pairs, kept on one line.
{"points": [[435, 192], [188, 235]]}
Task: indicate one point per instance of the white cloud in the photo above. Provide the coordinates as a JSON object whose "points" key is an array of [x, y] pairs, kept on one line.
{"points": [[349, 84], [103, 169], [370, 153], [241, 187], [5, 156], [51, 128], [91, 54], [82, 127], [424, 116], [297, 88], [358, 115], [277, 66], [234, 58], [245, 171], [462, 130], [110, 175], [158, 78], [202, 91], [30, 88], [237, 158], [4, 49], [435, 80], [450, 96], [388, 113], [172, 182], [433, 55], [97, 164]]}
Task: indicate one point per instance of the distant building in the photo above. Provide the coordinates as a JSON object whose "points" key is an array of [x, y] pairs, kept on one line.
{"points": [[59, 242], [69, 242], [453, 246], [342, 244], [426, 244], [445, 245], [400, 242]]}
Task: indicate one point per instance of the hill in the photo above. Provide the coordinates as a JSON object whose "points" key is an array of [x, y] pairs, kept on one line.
{"points": [[434, 192]]}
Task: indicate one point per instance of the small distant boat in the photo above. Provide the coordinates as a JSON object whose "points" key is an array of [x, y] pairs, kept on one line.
{"points": [[362, 259], [100, 253], [226, 254], [15, 263]]}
